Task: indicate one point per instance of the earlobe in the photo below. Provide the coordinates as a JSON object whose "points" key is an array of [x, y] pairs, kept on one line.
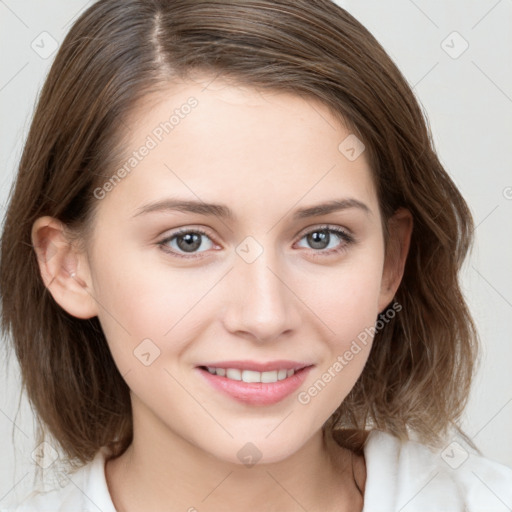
{"points": [[400, 227], [64, 270]]}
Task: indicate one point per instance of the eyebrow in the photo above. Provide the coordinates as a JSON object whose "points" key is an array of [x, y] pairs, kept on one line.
{"points": [[223, 211]]}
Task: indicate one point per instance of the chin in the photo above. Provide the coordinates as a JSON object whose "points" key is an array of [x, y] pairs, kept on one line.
{"points": [[258, 447]]}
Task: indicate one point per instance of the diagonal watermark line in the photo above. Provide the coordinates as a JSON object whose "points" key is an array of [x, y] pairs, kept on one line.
{"points": [[507, 505], [199, 403], [14, 423], [300, 199], [210, 82], [492, 81], [427, 73], [3, 3], [497, 291], [416, 494], [286, 491], [165, 165], [198, 301], [485, 15], [14, 76], [216, 487], [424, 14], [312, 106], [280, 423], [104, 308], [486, 217], [300, 299], [85, 494], [76, 14], [71, 274], [13, 487], [480, 430]]}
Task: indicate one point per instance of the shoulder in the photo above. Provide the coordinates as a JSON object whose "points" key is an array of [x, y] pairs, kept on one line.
{"points": [[410, 476], [84, 490]]}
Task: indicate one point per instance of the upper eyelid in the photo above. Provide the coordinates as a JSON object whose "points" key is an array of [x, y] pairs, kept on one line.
{"points": [[322, 227]]}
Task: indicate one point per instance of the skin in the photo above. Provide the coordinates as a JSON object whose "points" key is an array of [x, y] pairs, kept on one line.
{"points": [[263, 154]]}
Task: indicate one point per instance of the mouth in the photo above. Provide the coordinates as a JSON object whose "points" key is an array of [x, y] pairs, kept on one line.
{"points": [[255, 383]]}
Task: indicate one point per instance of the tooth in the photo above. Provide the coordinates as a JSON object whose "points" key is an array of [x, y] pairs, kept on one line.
{"points": [[270, 376], [234, 373], [281, 374], [251, 376]]}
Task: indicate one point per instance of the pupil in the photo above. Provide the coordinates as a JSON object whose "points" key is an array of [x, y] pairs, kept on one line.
{"points": [[192, 241], [319, 239]]}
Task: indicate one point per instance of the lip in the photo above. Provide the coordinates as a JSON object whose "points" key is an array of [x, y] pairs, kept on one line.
{"points": [[257, 393]]}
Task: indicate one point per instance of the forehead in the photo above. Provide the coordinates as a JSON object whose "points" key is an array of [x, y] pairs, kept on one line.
{"points": [[252, 148]]}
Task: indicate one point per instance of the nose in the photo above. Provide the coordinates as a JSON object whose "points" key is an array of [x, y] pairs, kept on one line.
{"points": [[262, 304]]}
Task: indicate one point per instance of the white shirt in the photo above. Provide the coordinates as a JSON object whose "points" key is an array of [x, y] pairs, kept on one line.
{"points": [[400, 477]]}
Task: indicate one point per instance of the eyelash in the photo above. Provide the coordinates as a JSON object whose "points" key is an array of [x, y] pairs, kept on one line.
{"points": [[346, 238]]}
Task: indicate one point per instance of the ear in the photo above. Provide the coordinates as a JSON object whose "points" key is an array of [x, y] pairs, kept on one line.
{"points": [[64, 270], [400, 230]]}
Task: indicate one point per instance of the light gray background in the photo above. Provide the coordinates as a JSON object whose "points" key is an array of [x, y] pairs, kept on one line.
{"points": [[468, 100]]}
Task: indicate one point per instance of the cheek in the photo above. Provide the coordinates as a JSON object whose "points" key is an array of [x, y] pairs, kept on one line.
{"points": [[346, 298], [346, 302], [145, 302]]}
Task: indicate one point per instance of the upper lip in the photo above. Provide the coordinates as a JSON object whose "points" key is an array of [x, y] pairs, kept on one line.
{"points": [[259, 366]]}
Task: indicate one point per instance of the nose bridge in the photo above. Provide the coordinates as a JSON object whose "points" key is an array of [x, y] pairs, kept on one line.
{"points": [[261, 303]]}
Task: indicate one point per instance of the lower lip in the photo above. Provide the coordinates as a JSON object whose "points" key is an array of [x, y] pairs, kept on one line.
{"points": [[257, 393]]}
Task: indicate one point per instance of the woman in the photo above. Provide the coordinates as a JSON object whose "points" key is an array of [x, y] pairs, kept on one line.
{"points": [[241, 259]]}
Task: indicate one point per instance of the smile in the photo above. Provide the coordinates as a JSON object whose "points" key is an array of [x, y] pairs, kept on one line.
{"points": [[255, 383]]}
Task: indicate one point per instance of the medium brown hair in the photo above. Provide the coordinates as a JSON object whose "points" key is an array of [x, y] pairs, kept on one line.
{"points": [[419, 370]]}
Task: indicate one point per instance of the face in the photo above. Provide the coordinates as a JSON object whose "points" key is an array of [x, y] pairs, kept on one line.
{"points": [[245, 242]]}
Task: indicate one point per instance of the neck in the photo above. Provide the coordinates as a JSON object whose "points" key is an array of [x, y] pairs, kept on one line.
{"points": [[163, 468]]}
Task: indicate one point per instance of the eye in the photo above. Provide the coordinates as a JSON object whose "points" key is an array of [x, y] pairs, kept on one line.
{"points": [[186, 242], [328, 240]]}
